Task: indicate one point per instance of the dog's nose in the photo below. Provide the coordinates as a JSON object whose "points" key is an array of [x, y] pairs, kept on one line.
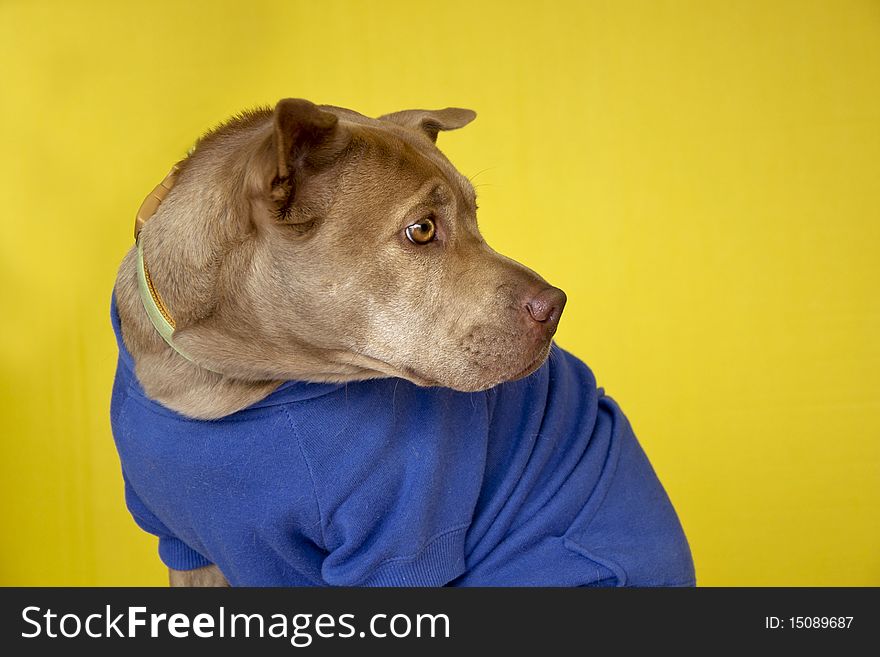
{"points": [[546, 306]]}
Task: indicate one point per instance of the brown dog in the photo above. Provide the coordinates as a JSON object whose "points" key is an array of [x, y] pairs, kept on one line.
{"points": [[313, 243]]}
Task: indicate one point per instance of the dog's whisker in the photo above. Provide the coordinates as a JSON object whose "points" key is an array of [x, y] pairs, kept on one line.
{"points": [[481, 171]]}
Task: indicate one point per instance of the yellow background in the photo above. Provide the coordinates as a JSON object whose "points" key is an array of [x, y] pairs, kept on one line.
{"points": [[702, 178]]}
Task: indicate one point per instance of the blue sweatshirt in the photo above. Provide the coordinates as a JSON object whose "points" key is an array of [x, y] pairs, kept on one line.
{"points": [[383, 483]]}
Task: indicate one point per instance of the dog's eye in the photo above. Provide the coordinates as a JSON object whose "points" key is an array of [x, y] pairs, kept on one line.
{"points": [[421, 233]]}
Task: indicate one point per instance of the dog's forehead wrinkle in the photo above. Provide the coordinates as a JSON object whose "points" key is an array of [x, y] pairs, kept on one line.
{"points": [[442, 191], [439, 194], [456, 185]]}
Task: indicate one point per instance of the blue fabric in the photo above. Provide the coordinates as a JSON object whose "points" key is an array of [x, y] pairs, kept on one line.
{"points": [[383, 483]]}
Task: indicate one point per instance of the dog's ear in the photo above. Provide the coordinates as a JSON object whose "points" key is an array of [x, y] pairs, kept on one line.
{"points": [[305, 139], [299, 127], [430, 122]]}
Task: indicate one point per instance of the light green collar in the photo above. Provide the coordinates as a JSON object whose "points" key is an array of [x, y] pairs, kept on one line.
{"points": [[157, 311]]}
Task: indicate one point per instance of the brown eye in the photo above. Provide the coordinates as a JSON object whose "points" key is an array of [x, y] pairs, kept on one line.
{"points": [[422, 232]]}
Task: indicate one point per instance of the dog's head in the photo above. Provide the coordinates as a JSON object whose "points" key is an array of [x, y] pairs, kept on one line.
{"points": [[355, 254]]}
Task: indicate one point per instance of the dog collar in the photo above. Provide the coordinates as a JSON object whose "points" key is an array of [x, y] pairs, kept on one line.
{"points": [[156, 309]]}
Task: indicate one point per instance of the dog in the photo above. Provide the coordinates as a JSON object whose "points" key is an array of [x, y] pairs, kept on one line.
{"points": [[327, 377]]}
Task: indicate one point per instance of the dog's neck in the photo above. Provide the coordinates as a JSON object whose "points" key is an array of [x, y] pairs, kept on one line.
{"points": [[168, 377]]}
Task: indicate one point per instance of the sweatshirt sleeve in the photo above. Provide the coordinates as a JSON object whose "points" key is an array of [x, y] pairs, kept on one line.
{"points": [[174, 552]]}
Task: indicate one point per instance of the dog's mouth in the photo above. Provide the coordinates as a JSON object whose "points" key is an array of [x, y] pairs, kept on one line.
{"points": [[481, 379], [477, 383]]}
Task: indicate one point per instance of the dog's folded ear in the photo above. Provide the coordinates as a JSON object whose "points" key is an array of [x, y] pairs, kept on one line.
{"points": [[430, 122], [300, 127], [305, 140]]}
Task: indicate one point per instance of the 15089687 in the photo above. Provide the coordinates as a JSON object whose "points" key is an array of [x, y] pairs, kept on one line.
{"points": [[821, 622]]}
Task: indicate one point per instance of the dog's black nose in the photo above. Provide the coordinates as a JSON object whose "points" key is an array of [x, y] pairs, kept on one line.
{"points": [[546, 306]]}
